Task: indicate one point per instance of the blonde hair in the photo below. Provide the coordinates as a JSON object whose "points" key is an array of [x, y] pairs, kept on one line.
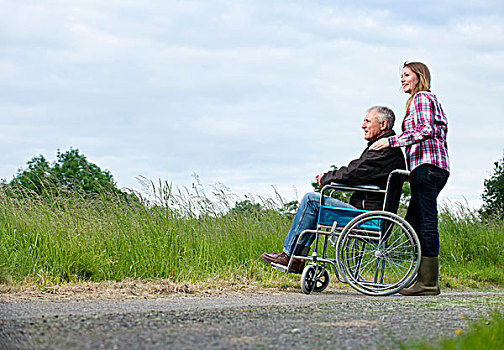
{"points": [[424, 79]]}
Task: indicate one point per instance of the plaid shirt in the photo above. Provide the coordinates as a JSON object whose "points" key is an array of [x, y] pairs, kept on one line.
{"points": [[424, 130]]}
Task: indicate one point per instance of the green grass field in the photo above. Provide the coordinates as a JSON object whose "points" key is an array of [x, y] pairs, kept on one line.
{"points": [[184, 236]]}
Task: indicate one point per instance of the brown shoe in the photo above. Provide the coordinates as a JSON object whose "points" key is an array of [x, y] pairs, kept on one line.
{"points": [[283, 259], [272, 255]]}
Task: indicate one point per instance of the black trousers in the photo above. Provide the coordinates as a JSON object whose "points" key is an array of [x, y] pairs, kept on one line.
{"points": [[426, 183]]}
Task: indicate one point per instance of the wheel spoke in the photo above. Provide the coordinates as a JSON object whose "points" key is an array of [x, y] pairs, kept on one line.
{"points": [[378, 267]]}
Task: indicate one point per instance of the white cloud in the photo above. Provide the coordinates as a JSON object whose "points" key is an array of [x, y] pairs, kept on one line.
{"points": [[248, 93]]}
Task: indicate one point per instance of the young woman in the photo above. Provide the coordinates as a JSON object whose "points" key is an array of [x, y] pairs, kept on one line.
{"points": [[424, 130]]}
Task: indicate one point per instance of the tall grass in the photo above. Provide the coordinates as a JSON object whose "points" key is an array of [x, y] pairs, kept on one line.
{"points": [[189, 236], [183, 237], [472, 250]]}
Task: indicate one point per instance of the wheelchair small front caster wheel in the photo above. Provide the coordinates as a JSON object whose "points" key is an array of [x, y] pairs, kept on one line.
{"points": [[314, 279]]}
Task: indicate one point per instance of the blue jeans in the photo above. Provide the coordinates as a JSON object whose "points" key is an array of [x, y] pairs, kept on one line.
{"points": [[306, 219], [426, 182]]}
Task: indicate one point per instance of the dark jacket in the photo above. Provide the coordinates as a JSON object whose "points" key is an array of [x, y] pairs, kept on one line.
{"points": [[372, 168]]}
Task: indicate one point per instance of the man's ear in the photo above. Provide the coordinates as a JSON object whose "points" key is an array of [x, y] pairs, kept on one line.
{"points": [[383, 125]]}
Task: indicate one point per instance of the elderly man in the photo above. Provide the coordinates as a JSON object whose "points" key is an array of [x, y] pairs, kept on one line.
{"points": [[371, 168]]}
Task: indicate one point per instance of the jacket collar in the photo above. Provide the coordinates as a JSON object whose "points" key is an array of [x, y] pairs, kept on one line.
{"points": [[386, 134]]}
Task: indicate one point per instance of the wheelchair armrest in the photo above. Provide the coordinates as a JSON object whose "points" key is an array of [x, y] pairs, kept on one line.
{"points": [[368, 187], [336, 187], [347, 188]]}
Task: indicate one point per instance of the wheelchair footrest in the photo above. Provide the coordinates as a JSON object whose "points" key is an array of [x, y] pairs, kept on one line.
{"points": [[279, 267]]}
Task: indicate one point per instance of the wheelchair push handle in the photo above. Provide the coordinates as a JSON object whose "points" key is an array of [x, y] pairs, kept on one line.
{"points": [[400, 172]]}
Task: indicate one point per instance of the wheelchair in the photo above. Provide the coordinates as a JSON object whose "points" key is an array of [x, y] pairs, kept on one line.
{"points": [[375, 252]]}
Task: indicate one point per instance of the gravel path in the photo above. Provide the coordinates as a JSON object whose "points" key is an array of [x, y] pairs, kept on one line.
{"points": [[329, 320]]}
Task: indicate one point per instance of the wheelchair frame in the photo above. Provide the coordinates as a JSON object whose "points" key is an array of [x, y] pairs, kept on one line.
{"points": [[376, 252]]}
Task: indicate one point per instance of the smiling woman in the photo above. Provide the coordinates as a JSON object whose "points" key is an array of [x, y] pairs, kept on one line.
{"points": [[409, 80], [424, 131]]}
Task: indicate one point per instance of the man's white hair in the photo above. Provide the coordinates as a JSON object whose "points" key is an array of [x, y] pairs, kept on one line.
{"points": [[384, 113]]}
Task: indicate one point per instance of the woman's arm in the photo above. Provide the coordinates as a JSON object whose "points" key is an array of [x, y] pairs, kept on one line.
{"points": [[419, 127]]}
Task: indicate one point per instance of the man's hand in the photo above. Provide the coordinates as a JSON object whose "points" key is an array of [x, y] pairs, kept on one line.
{"points": [[318, 177], [380, 144]]}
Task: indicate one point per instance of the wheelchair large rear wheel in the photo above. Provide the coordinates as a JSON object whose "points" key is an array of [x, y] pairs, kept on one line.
{"points": [[378, 253]]}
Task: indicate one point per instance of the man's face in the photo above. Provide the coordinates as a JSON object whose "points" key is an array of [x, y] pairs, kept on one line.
{"points": [[372, 127]]}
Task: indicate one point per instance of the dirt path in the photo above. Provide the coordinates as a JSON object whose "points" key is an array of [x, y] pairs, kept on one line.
{"points": [[338, 319]]}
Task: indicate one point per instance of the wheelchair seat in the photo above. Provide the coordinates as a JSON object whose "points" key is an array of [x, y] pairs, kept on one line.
{"points": [[342, 216]]}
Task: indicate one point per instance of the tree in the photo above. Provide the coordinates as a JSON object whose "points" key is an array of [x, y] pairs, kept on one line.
{"points": [[71, 172], [246, 207], [35, 177], [289, 208], [493, 193]]}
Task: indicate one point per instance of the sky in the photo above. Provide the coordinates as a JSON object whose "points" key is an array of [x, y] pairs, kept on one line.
{"points": [[259, 96]]}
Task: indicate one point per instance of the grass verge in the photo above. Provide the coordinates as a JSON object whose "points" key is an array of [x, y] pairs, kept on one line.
{"points": [[486, 333]]}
